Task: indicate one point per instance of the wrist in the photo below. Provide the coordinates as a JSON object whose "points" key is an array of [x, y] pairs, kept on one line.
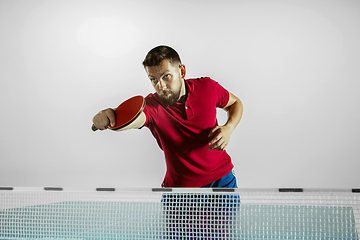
{"points": [[230, 126]]}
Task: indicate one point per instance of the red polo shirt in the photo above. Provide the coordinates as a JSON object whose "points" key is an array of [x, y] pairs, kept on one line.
{"points": [[181, 131]]}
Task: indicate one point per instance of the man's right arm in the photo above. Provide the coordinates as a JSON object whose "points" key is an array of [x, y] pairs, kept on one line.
{"points": [[106, 118]]}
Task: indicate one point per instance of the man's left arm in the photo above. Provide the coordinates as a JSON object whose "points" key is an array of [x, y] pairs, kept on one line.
{"points": [[221, 134]]}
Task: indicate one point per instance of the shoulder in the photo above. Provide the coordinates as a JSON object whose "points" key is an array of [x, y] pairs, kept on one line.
{"points": [[207, 88], [201, 80], [202, 83]]}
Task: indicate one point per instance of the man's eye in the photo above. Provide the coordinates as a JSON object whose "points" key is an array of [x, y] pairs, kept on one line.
{"points": [[167, 76]]}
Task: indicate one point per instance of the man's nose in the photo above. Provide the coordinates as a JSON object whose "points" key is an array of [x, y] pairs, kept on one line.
{"points": [[161, 84]]}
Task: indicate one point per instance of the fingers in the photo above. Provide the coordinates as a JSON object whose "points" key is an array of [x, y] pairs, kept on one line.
{"points": [[219, 145], [100, 122], [111, 116], [213, 133], [219, 140], [215, 139], [104, 118]]}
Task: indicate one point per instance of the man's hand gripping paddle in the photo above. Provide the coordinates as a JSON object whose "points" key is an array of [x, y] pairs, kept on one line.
{"points": [[127, 112]]}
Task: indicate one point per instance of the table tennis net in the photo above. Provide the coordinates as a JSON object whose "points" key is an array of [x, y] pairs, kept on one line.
{"points": [[179, 214]]}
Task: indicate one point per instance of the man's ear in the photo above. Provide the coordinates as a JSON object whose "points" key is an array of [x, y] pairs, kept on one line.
{"points": [[182, 71]]}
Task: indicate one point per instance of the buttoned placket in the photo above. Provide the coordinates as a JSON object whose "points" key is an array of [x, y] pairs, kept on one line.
{"points": [[188, 109]]}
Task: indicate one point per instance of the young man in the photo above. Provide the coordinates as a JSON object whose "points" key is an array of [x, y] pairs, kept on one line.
{"points": [[181, 115]]}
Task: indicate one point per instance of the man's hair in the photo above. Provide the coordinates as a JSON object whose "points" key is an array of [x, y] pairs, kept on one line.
{"points": [[159, 53]]}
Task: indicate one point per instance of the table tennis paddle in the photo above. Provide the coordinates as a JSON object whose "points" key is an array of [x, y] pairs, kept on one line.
{"points": [[127, 112]]}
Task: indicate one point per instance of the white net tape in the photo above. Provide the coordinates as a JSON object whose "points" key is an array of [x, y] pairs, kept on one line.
{"points": [[180, 214]]}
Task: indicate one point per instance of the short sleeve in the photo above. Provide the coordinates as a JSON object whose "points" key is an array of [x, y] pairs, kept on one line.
{"points": [[221, 94]]}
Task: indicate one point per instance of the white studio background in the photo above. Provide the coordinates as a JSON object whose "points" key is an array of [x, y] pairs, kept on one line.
{"points": [[294, 65]]}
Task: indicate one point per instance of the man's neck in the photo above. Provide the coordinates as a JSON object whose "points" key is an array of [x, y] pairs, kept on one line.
{"points": [[183, 94]]}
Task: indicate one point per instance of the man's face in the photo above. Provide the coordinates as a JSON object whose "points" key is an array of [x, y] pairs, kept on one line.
{"points": [[168, 81]]}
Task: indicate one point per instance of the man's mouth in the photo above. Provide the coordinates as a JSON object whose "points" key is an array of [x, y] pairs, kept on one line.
{"points": [[166, 94]]}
